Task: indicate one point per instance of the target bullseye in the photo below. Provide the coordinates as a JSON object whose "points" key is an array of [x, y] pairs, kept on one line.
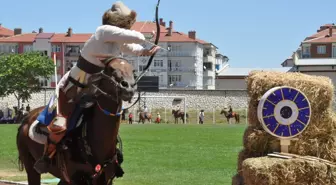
{"points": [[284, 112]]}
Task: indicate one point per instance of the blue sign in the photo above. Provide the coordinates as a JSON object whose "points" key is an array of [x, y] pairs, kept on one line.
{"points": [[284, 112]]}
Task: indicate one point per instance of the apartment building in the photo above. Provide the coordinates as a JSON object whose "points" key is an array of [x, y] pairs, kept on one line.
{"points": [[316, 54], [184, 62]]}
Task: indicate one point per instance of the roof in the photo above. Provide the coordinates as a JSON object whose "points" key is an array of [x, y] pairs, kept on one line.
{"points": [[245, 71], [324, 39], [144, 27], [44, 35], [147, 27], [5, 31], [322, 36], [289, 58], [25, 38], [315, 62], [74, 38]]}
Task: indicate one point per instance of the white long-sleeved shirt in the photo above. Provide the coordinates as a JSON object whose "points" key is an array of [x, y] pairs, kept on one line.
{"points": [[110, 41]]}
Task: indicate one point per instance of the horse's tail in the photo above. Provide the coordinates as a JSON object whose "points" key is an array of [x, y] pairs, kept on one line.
{"points": [[20, 162]]}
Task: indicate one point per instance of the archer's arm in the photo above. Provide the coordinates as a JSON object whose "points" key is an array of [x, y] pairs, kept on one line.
{"points": [[115, 34]]}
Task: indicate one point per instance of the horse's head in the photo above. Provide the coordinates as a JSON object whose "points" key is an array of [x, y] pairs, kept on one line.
{"points": [[223, 111], [118, 80]]}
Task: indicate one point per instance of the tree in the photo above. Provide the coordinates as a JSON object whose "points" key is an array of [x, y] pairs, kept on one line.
{"points": [[20, 74]]}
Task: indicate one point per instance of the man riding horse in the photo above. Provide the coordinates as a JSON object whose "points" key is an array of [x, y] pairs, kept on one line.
{"points": [[230, 111], [145, 112], [109, 40]]}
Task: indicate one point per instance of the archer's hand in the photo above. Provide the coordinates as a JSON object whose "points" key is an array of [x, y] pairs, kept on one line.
{"points": [[150, 52]]}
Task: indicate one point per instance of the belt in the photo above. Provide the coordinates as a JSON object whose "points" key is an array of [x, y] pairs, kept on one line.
{"points": [[87, 67]]}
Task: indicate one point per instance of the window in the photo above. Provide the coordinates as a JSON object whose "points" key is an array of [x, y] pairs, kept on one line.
{"points": [[207, 65], [8, 48], [306, 50], [321, 49], [69, 64], [13, 49], [44, 82], [334, 51], [174, 65], [27, 48], [174, 78], [161, 78], [141, 67], [177, 64], [169, 65], [55, 48], [158, 63], [176, 48]]}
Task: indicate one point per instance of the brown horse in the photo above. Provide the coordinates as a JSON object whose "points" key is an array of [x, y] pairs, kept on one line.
{"points": [[179, 114], [96, 162], [228, 116], [143, 118]]}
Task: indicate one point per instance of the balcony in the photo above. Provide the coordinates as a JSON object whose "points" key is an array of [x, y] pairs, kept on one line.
{"points": [[159, 70], [181, 85], [181, 69], [72, 54], [181, 54], [325, 62], [72, 51], [306, 55]]}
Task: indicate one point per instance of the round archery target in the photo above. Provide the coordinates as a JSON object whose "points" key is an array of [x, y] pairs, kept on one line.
{"points": [[284, 112]]}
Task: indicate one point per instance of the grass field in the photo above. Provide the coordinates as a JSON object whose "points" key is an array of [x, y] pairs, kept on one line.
{"points": [[160, 154]]}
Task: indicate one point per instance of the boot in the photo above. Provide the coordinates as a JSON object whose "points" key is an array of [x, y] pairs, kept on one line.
{"points": [[43, 164], [57, 130]]}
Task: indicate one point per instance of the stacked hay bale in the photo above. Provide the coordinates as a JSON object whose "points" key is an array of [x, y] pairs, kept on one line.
{"points": [[317, 140]]}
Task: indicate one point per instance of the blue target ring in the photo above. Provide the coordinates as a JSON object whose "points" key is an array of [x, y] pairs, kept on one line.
{"points": [[284, 112]]}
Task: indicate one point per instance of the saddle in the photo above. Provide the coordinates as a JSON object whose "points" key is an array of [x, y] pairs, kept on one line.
{"points": [[38, 130]]}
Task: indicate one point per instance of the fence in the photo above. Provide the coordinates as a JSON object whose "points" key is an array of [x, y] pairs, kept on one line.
{"points": [[212, 116]]}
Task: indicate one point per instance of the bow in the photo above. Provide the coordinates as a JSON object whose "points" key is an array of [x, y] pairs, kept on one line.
{"points": [[158, 31]]}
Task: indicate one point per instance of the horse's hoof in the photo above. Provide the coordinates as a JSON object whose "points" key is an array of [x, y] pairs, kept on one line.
{"points": [[42, 165]]}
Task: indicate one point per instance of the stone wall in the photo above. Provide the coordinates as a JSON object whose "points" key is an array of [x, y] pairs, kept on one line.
{"points": [[199, 99], [37, 100], [195, 99]]}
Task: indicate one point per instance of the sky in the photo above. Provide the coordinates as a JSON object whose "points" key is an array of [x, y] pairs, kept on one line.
{"points": [[252, 33]]}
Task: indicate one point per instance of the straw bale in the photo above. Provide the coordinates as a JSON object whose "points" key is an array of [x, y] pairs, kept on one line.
{"points": [[275, 171], [258, 141], [318, 89], [252, 113], [319, 139]]}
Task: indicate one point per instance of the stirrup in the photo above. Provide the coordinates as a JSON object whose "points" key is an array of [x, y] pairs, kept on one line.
{"points": [[42, 165]]}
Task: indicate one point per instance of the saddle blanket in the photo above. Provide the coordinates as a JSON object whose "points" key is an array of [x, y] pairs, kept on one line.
{"points": [[38, 130]]}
